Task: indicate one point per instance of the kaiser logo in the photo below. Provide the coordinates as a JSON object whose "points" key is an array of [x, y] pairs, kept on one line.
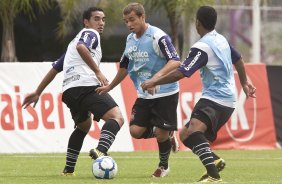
{"points": [[242, 125]]}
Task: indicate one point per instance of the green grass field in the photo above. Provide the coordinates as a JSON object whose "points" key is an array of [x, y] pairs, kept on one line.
{"points": [[136, 167]]}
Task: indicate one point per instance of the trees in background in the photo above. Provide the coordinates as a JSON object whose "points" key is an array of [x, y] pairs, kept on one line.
{"points": [[9, 9], [179, 11]]}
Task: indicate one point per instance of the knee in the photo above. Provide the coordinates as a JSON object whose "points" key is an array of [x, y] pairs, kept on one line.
{"points": [[135, 132], [85, 126], [161, 138], [119, 120], [114, 114], [184, 133], [161, 135]]}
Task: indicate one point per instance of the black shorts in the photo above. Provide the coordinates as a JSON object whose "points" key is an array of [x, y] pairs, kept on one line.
{"points": [[212, 114], [82, 101], [159, 112]]}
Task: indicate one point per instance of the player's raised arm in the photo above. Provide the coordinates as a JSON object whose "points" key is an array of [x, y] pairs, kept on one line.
{"points": [[34, 96], [173, 76], [87, 58], [238, 62]]}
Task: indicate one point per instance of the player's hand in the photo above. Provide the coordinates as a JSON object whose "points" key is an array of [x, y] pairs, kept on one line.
{"points": [[249, 90], [29, 99], [103, 89], [152, 90], [103, 80], [148, 85]]}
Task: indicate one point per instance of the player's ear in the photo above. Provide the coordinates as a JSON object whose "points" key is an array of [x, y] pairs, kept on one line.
{"points": [[143, 16], [197, 23], [85, 22]]}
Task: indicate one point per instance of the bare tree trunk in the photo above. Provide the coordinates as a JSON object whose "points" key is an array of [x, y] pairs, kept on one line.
{"points": [[186, 34], [174, 32], [8, 41]]}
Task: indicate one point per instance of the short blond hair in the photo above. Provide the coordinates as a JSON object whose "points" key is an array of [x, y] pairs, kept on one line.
{"points": [[136, 7]]}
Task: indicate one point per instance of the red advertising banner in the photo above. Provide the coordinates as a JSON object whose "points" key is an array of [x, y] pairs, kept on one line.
{"points": [[251, 125], [50, 124]]}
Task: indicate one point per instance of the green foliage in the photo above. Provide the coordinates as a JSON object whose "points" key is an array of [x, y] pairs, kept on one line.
{"points": [[71, 11], [113, 9], [177, 7], [14, 7], [243, 167]]}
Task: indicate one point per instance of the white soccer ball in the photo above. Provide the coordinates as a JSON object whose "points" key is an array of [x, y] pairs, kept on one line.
{"points": [[104, 168]]}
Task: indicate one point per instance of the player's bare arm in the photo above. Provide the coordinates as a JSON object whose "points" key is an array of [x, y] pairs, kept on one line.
{"points": [[87, 58], [34, 96], [173, 76], [170, 66], [248, 88], [122, 73]]}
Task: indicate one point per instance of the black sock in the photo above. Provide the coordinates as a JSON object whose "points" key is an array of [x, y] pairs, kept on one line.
{"points": [[215, 156], [164, 152], [108, 135], [74, 146], [200, 146], [149, 133]]}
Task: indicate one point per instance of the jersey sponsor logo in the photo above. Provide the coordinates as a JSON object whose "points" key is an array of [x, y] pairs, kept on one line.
{"points": [[71, 79], [187, 68], [92, 43], [144, 74], [55, 63], [70, 69], [137, 55], [85, 36], [166, 48]]}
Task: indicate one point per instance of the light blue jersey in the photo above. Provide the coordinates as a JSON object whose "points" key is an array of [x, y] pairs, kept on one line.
{"points": [[145, 56], [213, 55]]}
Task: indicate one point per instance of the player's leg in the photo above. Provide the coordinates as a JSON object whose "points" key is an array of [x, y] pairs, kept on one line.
{"points": [[140, 127], [219, 163], [75, 144], [164, 145], [113, 122], [174, 142], [164, 117], [83, 123], [104, 107], [206, 119], [193, 137]]}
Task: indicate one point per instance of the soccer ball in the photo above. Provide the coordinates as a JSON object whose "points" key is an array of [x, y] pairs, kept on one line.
{"points": [[104, 168]]}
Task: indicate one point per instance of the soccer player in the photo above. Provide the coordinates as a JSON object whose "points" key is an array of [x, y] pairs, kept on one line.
{"points": [[213, 56], [82, 76], [148, 54]]}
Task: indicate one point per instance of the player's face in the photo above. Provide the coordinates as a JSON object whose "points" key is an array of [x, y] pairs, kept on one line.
{"points": [[96, 21], [135, 23]]}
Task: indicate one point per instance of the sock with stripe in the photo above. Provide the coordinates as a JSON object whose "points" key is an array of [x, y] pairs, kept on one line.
{"points": [[200, 146], [108, 135], [216, 157], [74, 146], [164, 152]]}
